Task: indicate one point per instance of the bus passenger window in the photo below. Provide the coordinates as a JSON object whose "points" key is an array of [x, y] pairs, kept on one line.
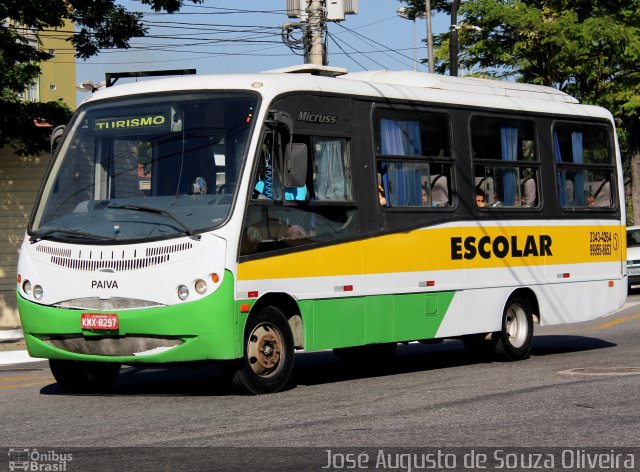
{"points": [[413, 152], [506, 161], [584, 165]]}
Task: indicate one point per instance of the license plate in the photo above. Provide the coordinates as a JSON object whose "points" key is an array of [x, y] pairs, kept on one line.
{"points": [[99, 321], [633, 271]]}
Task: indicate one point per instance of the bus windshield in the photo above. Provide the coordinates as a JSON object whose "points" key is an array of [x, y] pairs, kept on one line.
{"points": [[146, 168]]}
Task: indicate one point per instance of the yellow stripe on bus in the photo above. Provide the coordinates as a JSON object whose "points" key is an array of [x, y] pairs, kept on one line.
{"points": [[448, 248]]}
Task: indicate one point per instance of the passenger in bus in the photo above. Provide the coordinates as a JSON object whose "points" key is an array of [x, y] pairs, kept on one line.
{"points": [[529, 193], [480, 198], [602, 197], [425, 195], [381, 196], [439, 190]]}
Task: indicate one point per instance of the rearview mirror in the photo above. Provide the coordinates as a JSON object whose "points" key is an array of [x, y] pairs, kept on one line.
{"points": [[295, 165], [56, 134]]}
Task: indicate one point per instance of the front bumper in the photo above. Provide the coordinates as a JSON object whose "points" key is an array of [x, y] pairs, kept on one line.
{"points": [[207, 329]]}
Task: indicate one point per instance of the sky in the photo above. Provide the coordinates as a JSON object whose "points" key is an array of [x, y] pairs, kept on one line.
{"points": [[227, 36]]}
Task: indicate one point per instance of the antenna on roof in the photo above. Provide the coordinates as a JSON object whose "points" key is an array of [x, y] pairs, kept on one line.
{"points": [[112, 77]]}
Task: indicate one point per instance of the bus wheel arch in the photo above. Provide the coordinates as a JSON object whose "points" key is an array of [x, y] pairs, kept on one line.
{"points": [[289, 308], [515, 338]]}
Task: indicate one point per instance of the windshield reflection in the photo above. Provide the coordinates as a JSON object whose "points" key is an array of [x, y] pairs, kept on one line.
{"points": [[141, 169]]}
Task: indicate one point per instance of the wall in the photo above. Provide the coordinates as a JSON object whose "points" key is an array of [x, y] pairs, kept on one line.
{"points": [[19, 182], [58, 75]]}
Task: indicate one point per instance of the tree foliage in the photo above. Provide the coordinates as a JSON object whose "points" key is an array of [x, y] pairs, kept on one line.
{"points": [[587, 48], [100, 24]]}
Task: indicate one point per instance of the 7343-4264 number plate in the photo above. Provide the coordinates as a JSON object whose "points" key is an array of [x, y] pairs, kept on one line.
{"points": [[99, 321]]}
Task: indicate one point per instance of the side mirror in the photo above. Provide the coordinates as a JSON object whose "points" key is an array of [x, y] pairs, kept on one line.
{"points": [[295, 165], [56, 134]]}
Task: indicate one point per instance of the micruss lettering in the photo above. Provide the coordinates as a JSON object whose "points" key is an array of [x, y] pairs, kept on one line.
{"points": [[500, 247], [317, 118]]}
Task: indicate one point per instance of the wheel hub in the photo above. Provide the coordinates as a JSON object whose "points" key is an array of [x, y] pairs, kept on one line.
{"points": [[264, 349]]}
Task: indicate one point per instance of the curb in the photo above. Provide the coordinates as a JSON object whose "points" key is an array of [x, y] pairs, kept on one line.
{"points": [[16, 357], [11, 335]]}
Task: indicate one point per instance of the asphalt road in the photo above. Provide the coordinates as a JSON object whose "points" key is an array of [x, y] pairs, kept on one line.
{"points": [[579, 389]]}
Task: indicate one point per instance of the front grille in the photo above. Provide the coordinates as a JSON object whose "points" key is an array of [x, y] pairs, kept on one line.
{"points": [[116, 260], [109, 304]]}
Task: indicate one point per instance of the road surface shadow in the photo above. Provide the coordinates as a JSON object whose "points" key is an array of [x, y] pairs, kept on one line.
{"points": [[314, 368]]}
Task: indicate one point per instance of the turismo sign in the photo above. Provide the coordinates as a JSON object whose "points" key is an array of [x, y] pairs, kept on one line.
{"points": [[151, 121]]}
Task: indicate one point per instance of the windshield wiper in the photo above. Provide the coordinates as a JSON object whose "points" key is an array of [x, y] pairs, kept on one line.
{"points": [[158, 211], [40, 235]]}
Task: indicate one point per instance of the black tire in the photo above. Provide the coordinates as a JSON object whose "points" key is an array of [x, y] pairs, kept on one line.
{"points": [[365, 356], [268, 353], [516, 336], [84, 377]]}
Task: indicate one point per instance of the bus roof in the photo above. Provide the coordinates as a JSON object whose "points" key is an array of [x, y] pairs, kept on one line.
{"points": [[406, 85]]}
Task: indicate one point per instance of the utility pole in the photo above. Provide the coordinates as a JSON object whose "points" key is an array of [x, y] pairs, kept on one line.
{"points": [[429, 37], [308, 34], [453, 39], [315, 12]]}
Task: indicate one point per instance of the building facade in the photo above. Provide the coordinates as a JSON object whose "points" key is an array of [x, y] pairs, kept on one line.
{"points": [[20, 177]]}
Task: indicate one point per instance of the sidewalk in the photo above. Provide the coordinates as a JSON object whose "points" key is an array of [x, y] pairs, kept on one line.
{"points": [[13, 349]]}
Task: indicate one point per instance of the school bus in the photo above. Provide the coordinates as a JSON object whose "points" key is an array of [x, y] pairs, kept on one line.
{"points": [[239, 218]]}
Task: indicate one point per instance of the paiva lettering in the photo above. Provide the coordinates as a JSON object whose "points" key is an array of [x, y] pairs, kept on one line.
{"points": [[487, 247], [104, 284]]}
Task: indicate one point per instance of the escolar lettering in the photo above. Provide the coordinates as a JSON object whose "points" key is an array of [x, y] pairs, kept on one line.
{"points": [[500, 246]]}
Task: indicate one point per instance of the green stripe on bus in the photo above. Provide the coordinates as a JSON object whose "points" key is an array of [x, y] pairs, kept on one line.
{"points": [[343, 322]]}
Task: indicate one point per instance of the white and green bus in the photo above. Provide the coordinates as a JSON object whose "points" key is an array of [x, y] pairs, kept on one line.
{"points": [[240, 218]]}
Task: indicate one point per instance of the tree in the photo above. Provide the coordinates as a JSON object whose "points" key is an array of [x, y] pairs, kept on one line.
{"points": [[101, 24], [587, 48]]}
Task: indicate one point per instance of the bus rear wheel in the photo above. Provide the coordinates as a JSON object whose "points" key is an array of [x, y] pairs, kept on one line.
{"points": [[268, 353], [84, 377], [516, 336]]}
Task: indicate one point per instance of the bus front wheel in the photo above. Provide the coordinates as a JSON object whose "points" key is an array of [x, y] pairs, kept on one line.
{"points": [[268, 353], [516, 336], [84, 377]]}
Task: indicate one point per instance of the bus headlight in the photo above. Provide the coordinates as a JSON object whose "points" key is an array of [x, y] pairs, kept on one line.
{"points": [[26, 287], [38, 292], [201, 286], [183, 292]]}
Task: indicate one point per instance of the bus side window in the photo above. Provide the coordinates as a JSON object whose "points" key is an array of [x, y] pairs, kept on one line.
{"points": [[322, 210], [584, 165]]}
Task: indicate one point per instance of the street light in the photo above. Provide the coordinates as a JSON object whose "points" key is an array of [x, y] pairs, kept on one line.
{"points": [[403, 12]]}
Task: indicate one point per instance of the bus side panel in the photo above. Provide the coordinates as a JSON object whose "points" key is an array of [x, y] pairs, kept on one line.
{"points": [[338, 322], [344, 322], [581, 301]]}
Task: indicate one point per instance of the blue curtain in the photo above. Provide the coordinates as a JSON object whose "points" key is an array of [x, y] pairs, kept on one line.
{"points": [[561, 176], [576, 151], [509, 145], [401, 138], [332, 179]]}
